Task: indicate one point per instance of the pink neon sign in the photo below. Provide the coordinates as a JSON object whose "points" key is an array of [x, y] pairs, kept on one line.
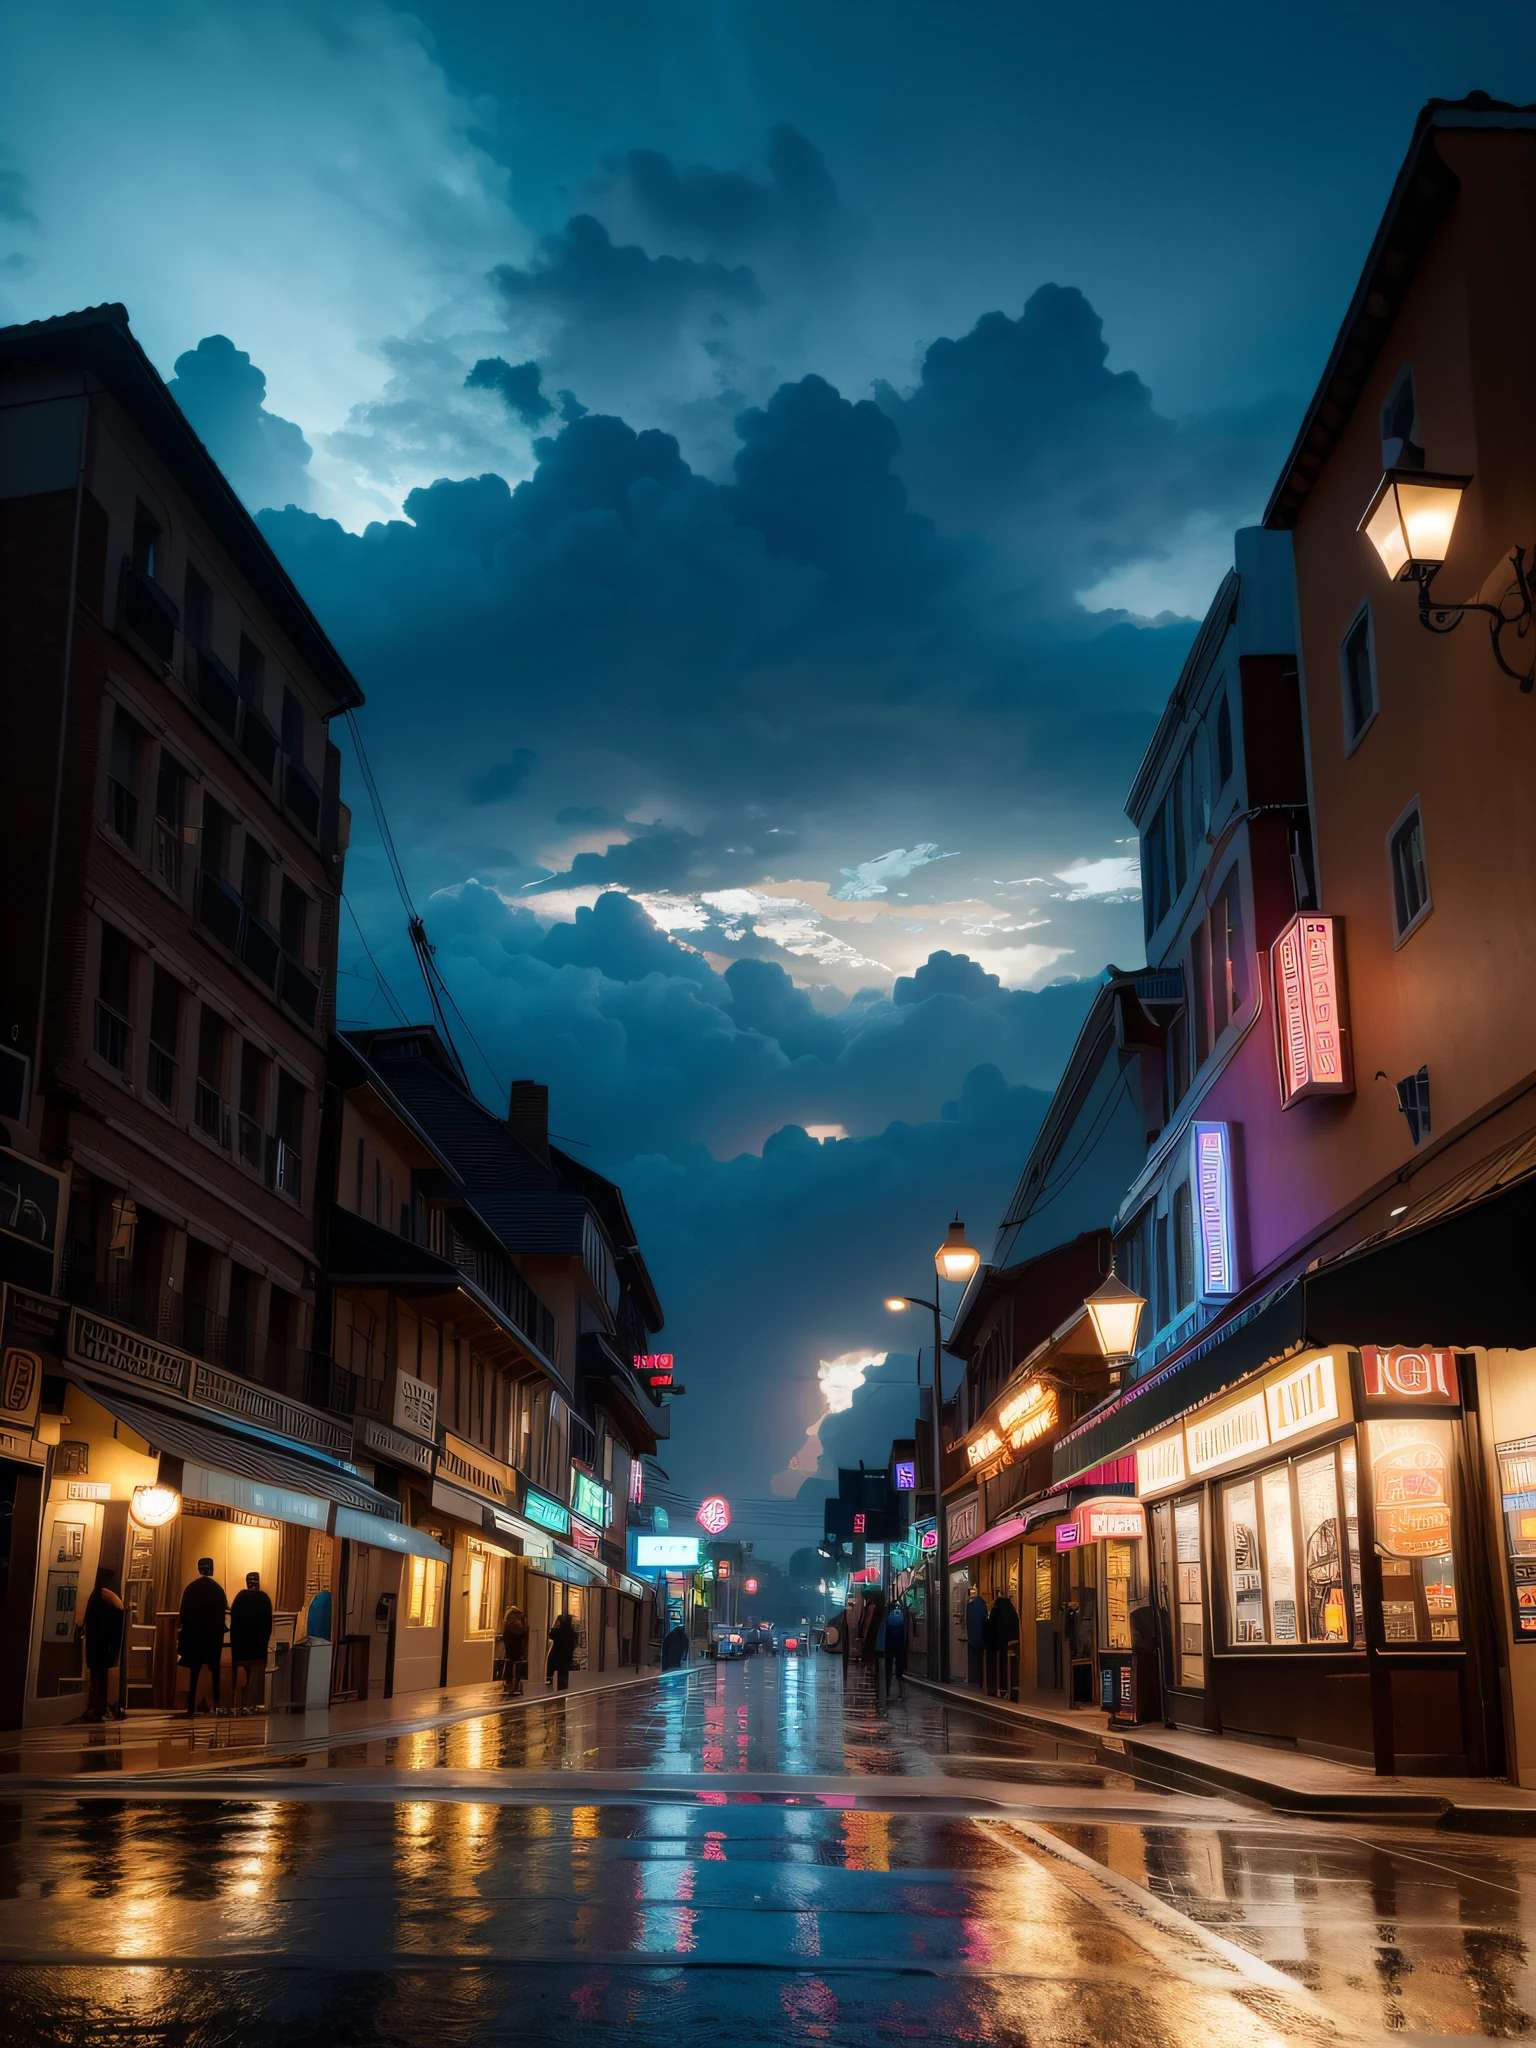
{"points": [[1311, 1024], [715, 1515]]}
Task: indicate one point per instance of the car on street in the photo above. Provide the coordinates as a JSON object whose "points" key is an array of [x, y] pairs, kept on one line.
{"points": [[726, 1642]]}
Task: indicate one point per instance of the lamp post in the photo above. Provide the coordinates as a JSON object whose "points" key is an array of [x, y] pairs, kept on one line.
{"points": [[1114, 1310], [954, 1260]]}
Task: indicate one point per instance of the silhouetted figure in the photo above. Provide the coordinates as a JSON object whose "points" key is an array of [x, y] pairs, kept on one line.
{"points": [[674, 1648], [200, 1637], [1005, 1633], [562, 1653], [896, 1647], [976, 1639], [514, 1649], [250, 1635], [102, 1628]]}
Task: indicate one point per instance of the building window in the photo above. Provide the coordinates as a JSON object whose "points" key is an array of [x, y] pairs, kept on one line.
{"points": [[123, 755], [1183, 1248], [210, 1112], [114, 998], [293, 919], [1229, 970], [424, 1592], [164, 1038], [170, 820], [252, 671], [1358, 658], [1410, 877], [1293, 1554], [146, 542], [1224, 742], [197, 611], [1200, 993], [293, 727], [1154, 874]]}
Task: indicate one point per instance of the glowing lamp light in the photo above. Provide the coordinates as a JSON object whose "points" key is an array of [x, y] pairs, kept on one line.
{"points": [[751, 1585], [1410, 520], [1114, 1310], [895, 1304], [715, 1515], [152, 1507], [955, 1259]]}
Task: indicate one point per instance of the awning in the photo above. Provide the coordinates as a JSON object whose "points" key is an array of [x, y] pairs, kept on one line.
{"points": [[1005, 1532], [1464, 1279], [244, 1472], [384, 1535]]}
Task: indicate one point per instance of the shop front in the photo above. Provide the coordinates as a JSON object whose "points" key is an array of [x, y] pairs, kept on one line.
{"points": [[1319, 1565]]}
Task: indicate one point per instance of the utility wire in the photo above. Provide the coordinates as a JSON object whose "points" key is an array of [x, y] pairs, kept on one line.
{"points": [[378, 973]]}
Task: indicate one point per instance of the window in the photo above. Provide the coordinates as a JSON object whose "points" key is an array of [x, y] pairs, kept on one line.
{"points": [[254, 1070], [170, 819], [114, 998], [287, 1163], [424, 1592], [1293, 1553], [1160, 1315], [122, 765], [1229, 969], [164, 1037], [1224, 743], [197, 610], [253, 876], [146, 542], [1359, 666], [1200, 993], [1180, 836], [1154, 874], [1183, 1248], [293, 919], [293, 727], [216, 835], [209, 1111], [1410, 877], [252, 672]]}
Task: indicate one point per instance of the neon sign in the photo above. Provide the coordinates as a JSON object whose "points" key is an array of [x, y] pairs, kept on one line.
{"points": [[929, 1540], [1311, 1028], [1030, 1413], [657, 1552], [985, 1447], [714, 1515], [1425, 1376], [1213, 1210], [906, 1475], [860, 1524], [654, 1367], [549, 1514]]}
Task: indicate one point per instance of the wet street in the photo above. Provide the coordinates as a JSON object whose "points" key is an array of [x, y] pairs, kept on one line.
{"points": [[742, 1854]]}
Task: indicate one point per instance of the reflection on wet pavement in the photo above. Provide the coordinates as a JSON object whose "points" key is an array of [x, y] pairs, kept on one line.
{"points": [[737, 1914]]}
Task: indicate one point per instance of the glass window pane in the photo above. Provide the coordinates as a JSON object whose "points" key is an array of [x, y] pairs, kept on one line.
{"points": [[1317, 1494], [1280, 1547], [1191, 1593], [1245, 1579], [1117, 1595], [1411, 1492], [1352, 1535]]}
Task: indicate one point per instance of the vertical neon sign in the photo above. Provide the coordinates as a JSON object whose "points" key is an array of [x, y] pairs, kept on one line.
{"points": [[1311, 1027], [1213, 1211]]}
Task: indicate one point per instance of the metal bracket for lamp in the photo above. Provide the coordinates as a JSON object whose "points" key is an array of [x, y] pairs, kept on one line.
{"points": [[1445, 618]]}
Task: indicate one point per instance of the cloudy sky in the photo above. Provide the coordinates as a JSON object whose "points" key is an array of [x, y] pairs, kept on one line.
{"points": [[764, 465]]}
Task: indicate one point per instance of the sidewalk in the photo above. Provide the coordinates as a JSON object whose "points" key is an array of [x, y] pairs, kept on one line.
{"points": [[170, 1742], [1289, 1780]]}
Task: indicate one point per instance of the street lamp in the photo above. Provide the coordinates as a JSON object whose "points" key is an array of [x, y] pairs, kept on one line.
{"points": [[1409, 522], [954, 1260], [1114, 1311]]}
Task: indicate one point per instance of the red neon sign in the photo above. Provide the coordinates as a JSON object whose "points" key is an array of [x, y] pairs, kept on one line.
{"points": [[1427, 1376], [715, 1515], [654, 1367], [1311, 1020]]}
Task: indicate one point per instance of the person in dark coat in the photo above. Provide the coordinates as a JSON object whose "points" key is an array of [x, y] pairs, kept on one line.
{"points": [[896, 1647], [562, 1653], [514, 1649], [1005, 1632], [976, 1638], [674, 1648], [102, 1628], [250, 1634], [200, 1636]]}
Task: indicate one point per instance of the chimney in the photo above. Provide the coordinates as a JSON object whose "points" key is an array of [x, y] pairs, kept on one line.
{"points": [[528, 1117]]}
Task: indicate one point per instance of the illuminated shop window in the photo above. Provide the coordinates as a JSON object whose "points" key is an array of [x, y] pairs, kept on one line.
{"points": [[1292, 1544], [424, 1594]]}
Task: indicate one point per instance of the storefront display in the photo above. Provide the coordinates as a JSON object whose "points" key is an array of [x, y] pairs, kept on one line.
{"points": [[1517, 1490], [1410, 1466]]}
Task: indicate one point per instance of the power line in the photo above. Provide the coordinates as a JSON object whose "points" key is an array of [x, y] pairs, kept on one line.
{"points": [[378, 973]]}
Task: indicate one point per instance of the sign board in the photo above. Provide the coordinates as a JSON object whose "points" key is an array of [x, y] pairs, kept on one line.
{"points": [[654, 1367], [32, 1334], [1222, 1435], [983, 1449], [467, 1466], [416, 1407], [1426, 1378], [714, 1515], [928, 1540], [1160, 1464], [1068, 1535], [1290, 1403], [666, 1553], [1311, 1021], [963, 1522], [1211, 1172], [906, 1475], [590, 1498], [549, 1514], [1115, 1517], [1028, 1414], [585, 1537]]}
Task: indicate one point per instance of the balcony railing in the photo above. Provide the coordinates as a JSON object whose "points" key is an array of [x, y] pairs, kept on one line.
{"points": [[285, 1169], [329, 1385], [251, 1136], [168, 854], [170, 1317], [123, 812], [210, 1112], [161, 1075], [112, 1036], [300, 990], [147, 612], [496, 1276]]}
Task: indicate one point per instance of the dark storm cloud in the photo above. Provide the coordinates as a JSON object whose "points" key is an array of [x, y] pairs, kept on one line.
{"points": [[725, 209], [518, 385], [223, 394], [765, 999], [501, 780], [1021, 431], [945, 974], [589, 283]]}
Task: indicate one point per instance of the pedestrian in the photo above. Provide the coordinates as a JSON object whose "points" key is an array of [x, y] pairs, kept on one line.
{"points": [[200, 1632], [871, 1615], [896, 1647], [674, 1648], [250, 1634], [514, 1649], [975, 1638], [101, 1627], [989, 1655], [562, 1653], [1005, 1629]]}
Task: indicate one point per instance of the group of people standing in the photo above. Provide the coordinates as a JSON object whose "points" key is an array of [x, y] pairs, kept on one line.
{"points": [[991, 1640], [563, 1645], [877, 1634], [204, 1618]]}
